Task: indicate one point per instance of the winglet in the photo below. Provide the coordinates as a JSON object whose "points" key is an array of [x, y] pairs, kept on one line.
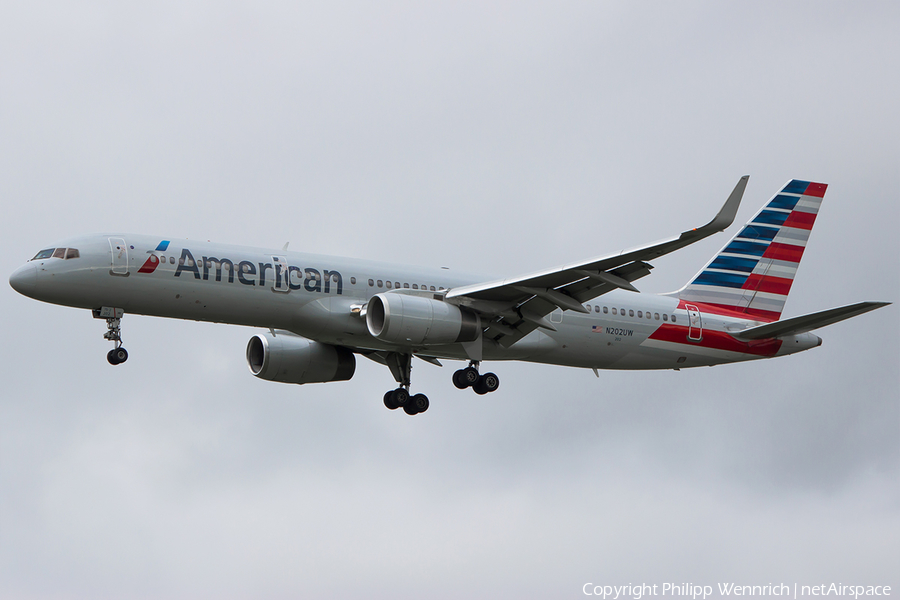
{"points": [[726, 215]]}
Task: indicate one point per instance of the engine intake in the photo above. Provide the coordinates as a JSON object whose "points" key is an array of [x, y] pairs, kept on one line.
{"points": [[407, 319], [289, 358]]}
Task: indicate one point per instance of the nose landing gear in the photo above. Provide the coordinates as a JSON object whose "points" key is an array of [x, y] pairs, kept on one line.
{"points": [[113, 333]]}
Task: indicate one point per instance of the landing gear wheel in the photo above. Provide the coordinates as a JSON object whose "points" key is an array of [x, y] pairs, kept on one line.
{"points": [[389, 400], [399, 397], [117, 356], [486, 384], [459, 381], [417, 404], [468, 376]]}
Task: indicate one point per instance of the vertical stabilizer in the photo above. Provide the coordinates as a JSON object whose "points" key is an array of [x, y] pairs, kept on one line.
{"points": [[753, 273]]}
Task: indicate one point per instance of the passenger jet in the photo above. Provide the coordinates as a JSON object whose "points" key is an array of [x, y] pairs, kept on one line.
{"points": [[319, 312]]}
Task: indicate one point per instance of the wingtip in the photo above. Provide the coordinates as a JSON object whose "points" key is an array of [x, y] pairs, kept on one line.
{"points": [[728, 212]]}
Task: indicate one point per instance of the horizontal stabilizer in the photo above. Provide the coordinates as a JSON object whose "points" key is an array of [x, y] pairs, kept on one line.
{"points": [[809, 322]]}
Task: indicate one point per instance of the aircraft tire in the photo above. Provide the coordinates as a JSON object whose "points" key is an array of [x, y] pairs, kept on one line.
{"points": [[111, 357], [469, 376], [389, 400], [419, 403], [400, 397], [121, 354], [458, 380], [489, 382]]}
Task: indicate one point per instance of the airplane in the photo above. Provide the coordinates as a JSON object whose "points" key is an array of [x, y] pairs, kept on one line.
{"points": [[321, 311]]}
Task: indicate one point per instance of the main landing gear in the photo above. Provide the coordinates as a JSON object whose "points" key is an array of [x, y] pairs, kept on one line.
{"points": [[469, 377], [401, 367], [113, 333]]}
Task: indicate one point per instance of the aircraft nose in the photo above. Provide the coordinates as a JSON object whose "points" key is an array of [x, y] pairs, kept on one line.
{"points": [[23, 279]]}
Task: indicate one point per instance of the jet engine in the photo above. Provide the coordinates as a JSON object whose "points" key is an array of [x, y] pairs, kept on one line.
{"points": [[407, 319], [289, 358]]}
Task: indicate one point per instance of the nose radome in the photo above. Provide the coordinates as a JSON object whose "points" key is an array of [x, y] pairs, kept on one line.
{"points": [[23, 279]]}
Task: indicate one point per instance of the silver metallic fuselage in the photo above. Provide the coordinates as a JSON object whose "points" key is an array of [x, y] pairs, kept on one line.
{"points": [[319, 297]]}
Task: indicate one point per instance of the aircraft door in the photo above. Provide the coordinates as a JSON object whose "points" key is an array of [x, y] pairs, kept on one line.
{"points": [[281, 282], [695, 323], [118, 256]]}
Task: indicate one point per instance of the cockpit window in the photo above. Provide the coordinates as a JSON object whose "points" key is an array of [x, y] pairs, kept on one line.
{"points": [[57, 253], [44, 254]]}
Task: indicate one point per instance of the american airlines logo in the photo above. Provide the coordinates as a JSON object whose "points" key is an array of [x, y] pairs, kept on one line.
{"points": [[153, 260], [277, 273]]}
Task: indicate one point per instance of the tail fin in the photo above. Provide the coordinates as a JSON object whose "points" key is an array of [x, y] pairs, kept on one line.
{"points": [[753, 273]]}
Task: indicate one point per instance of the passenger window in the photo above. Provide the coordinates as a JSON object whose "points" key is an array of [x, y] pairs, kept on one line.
{"points": [[415, 287], [673, 318], [640, 315], [72, 253], [432, 288], [665, 317], [353, 280], [59, 253], [371, 283], [441, 289], [397, 284], [656, 316], [380, 283], [606, 310], [596, 308], [622, 311], [171, 260], [648, 316], [44, 254], [614, 310], [388, 284], [630, 313], [406, 285]]}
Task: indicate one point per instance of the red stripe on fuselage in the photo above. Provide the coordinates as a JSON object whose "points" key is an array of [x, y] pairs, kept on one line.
{"points": [[736, 312], [718, 340]]}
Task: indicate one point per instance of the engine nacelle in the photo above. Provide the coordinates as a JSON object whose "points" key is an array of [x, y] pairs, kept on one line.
{"points": [[406, 319], [289, 358]]}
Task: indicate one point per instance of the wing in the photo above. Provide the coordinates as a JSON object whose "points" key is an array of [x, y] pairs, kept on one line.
{"points": [[513, 308]]}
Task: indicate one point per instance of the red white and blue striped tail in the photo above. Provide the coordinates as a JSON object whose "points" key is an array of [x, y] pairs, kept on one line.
{"points": [[753, 273]]}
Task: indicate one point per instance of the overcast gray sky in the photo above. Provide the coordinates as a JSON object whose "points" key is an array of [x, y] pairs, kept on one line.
{"points": [[496, 137]]}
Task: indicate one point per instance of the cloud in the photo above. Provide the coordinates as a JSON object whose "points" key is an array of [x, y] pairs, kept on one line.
{"points": [[493, 138]]}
